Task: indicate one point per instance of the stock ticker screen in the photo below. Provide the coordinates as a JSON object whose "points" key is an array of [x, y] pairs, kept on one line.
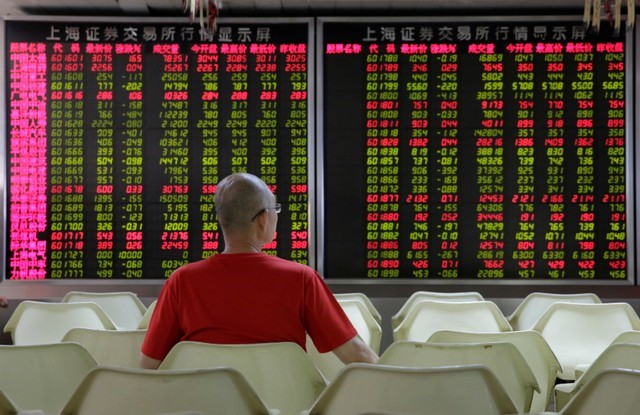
{"points": [[475, 149], [117, 133]]}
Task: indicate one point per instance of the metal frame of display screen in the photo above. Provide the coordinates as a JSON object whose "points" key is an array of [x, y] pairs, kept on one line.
{"points": [[250, 107], [475, 150]]}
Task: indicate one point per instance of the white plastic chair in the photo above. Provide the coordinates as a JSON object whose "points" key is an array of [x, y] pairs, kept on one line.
{"points": [[362, 298], [419, 296], [616, 356], [579, 333], [281, 373], [612, 391], [124, 308], [108, 391], [374, 389], [534, 305], [327, 364], [533, 348], [365, 324], [631, 336], [363, 321], [119, 348], [42, 377], [503, 359], [427, 317], [35, 322], [146, 318]]}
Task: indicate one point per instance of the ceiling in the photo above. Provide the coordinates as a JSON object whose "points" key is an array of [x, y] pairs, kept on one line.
{"points": [[285, 7]]}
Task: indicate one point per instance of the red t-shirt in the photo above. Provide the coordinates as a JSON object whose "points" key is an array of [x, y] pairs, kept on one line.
{"points": [[246, 298]]}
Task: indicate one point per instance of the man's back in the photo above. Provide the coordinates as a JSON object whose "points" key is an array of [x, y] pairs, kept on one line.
{"points": [[247, 298], [244, 296]]}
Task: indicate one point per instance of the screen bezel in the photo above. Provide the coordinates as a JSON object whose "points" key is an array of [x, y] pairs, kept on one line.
{"points": [[141, 285], [631, 162]]}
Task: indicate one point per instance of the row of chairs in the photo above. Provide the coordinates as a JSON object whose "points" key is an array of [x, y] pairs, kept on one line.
{"points": [[125, 311], [524, 317], [411, 377], [280, 374], [363, 314], [63, 378], [577, 333], [577, 327], [568, 333], [513, 356], [223, 390]]}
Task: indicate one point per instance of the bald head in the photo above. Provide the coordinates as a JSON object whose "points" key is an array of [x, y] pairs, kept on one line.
{"points": [[238, 198]]}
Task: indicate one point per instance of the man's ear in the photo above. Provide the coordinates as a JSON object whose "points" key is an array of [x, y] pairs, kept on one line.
{"points": [[262, 219]]}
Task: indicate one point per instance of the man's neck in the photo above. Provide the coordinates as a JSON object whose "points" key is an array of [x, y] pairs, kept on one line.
{"points": [[241, 248]]}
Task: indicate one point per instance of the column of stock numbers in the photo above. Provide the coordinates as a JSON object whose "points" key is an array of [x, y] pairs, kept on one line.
{"points": [[120, 131], [489, 150]]}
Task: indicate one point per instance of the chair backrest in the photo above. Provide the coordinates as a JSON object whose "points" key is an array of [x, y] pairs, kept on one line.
{"points": [[533, 348], [35, 322], [363, 321], [503, 359], [42, 377], [631, 336], [534, 305], [612, 391], [366, 325], [108, 391], [427, 317], [374, 389], [579, 333], [281, 373], [120, 348], [124, 308], [416, 297], [362, 298], [146, 318], [616, 356]]}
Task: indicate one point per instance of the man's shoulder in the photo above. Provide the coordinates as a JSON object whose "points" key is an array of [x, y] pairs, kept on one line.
{"points": [[288, 264], [192, 268]]}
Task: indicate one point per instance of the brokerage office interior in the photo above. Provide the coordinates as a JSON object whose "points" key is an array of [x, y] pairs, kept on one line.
{"points": [[387, 295]]}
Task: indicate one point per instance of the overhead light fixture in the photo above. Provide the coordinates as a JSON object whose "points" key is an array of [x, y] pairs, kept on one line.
{"points": [[613, 14], [207, 10]]}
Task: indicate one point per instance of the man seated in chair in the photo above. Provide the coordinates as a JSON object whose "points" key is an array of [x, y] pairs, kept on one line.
{"points": [[244, 296]]}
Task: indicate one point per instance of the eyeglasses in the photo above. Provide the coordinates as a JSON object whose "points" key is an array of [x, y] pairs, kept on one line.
{"points": [[277, 208]]}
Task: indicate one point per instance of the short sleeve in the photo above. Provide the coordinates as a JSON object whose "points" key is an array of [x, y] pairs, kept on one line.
{"points": [[164, 328], [325, 321]]}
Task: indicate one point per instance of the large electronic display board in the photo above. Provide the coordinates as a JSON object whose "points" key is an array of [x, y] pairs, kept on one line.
{"points": [[118, 131], [475, 149]]}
